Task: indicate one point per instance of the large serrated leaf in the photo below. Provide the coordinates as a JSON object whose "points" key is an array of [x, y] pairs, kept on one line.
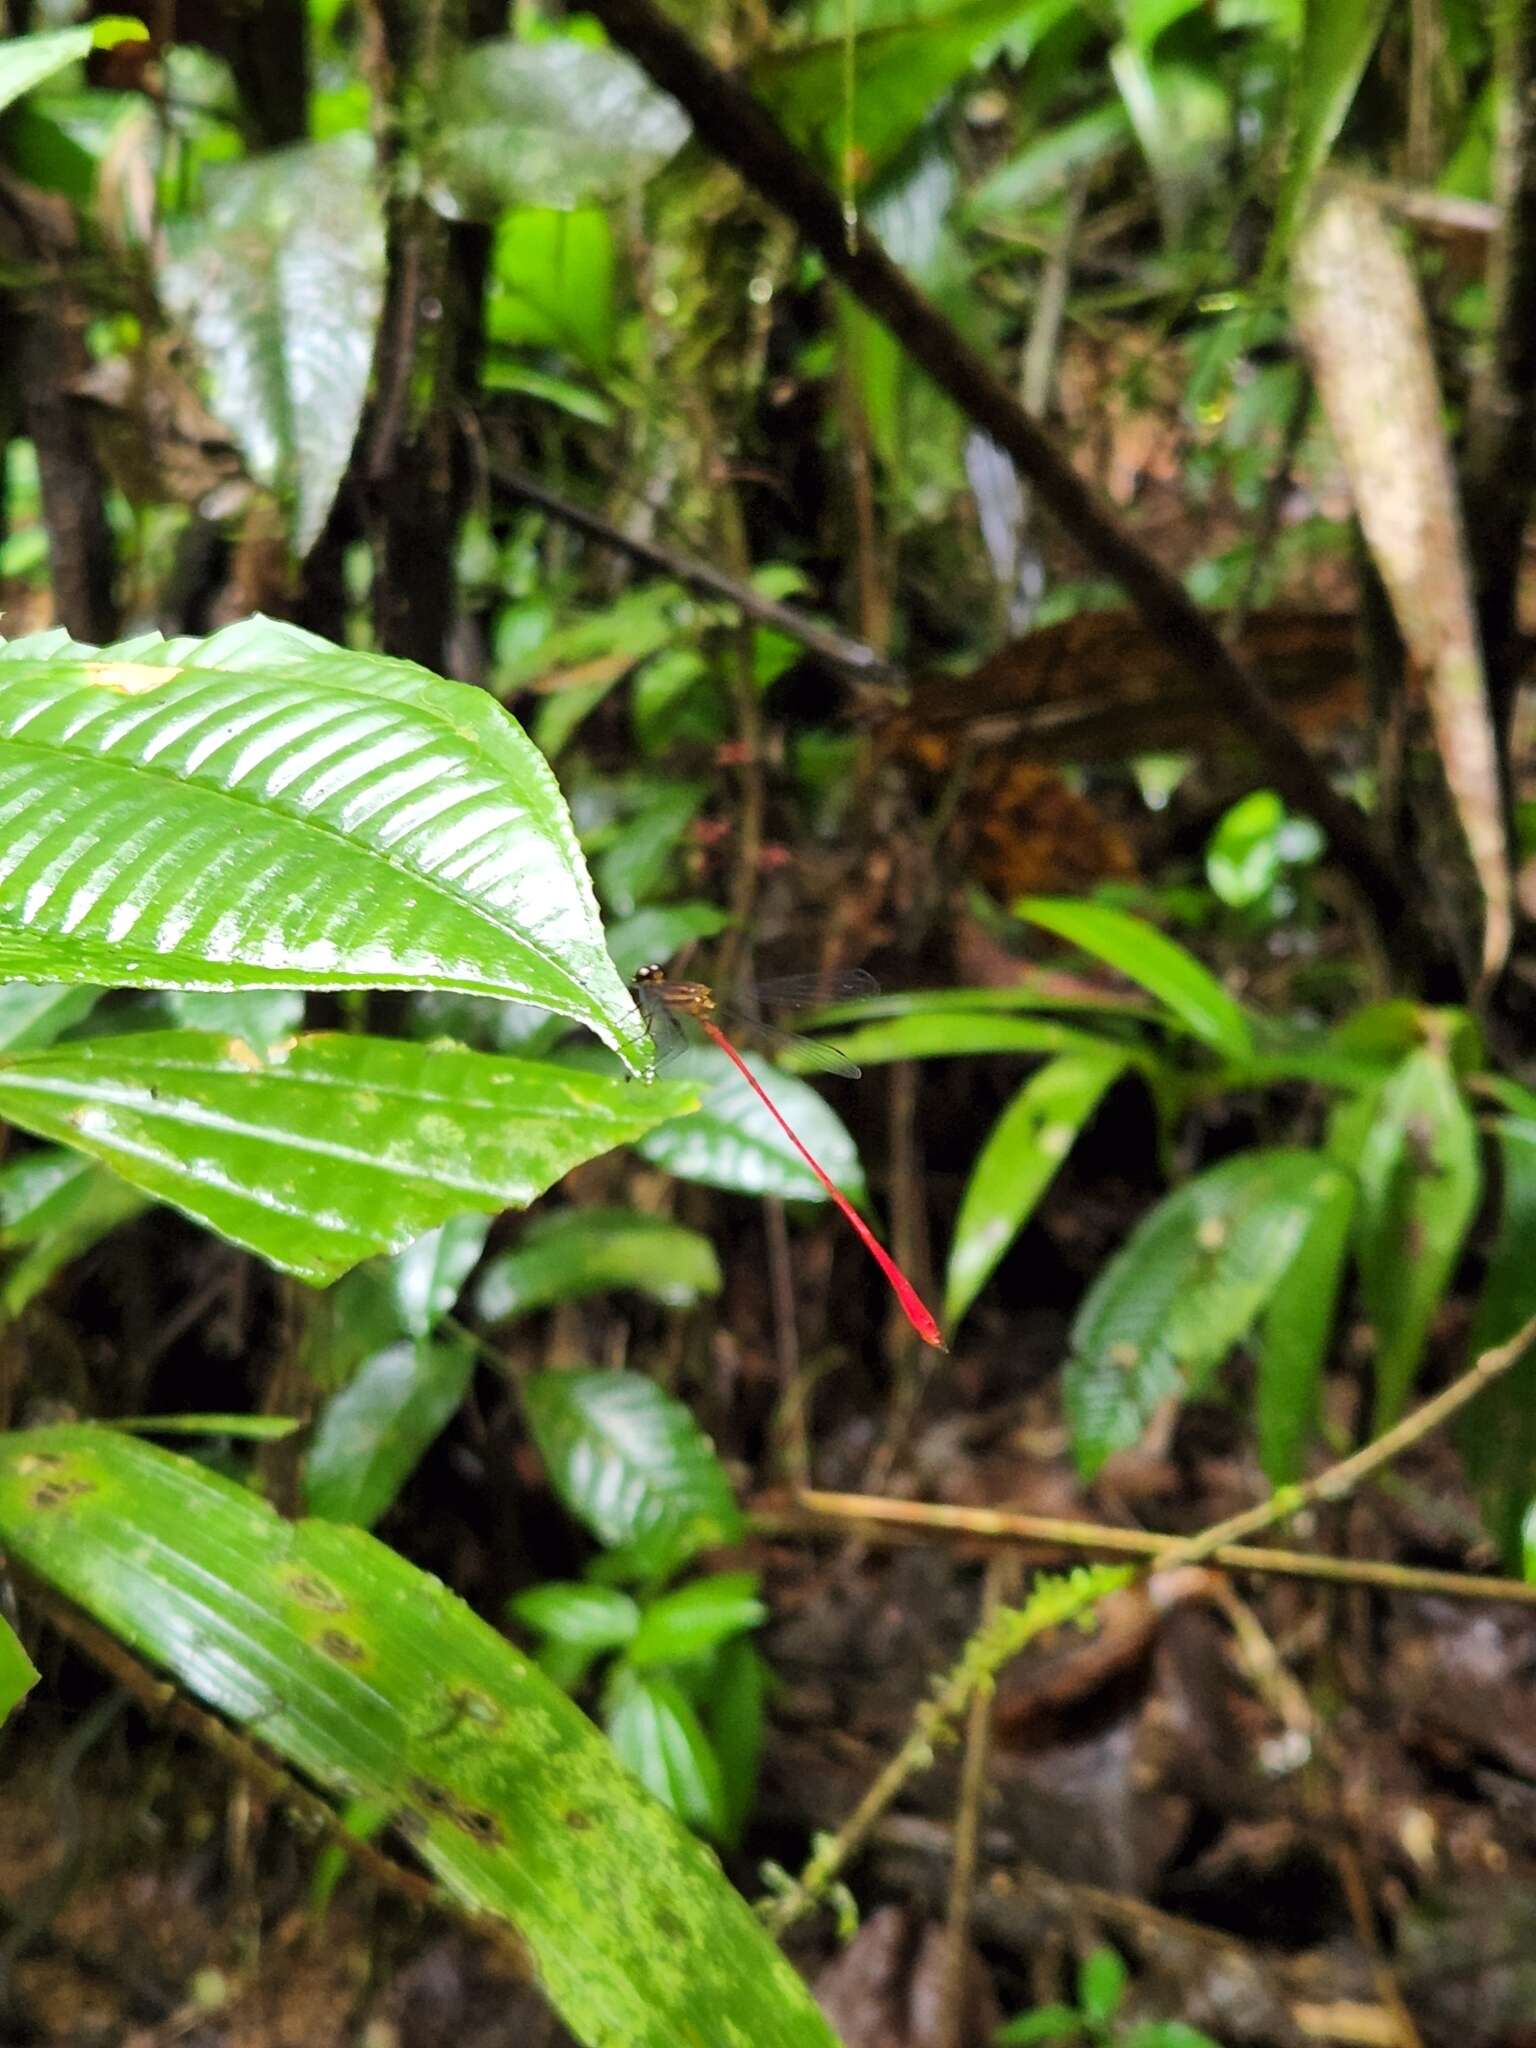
{"points": [[379, 1684], [261, 809], [280, 281], [1185, 1288], [632, 1463], [557, 123], [324, 1150]]}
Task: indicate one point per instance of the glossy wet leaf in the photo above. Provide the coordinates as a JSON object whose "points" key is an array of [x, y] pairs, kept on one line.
{"points": [[680, 1626], [732, 1142], [1297, 1331], [34, 1014], [325, 1150], [371, 1436], [1497, 1435], [1155, 962], [592, 1617], [942, 1033], [54, 1205], [1337, 41], [261, 809], [426, 1277], [281, 289], [18, 1674], [631, 1463], [655, 1728], [375, 1682], [1187, 1285], [28, 61], [1413, 1147], [1016, 1165], [569, 1253], [556, 123]]}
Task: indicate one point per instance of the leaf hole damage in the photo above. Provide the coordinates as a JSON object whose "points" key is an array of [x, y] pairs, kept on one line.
{"points": [[472, 1820], [335, 1642], [53, 1493], [310, 1590]]}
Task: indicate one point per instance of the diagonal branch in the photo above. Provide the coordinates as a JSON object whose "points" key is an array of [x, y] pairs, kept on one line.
{"points": [[736, 126]]}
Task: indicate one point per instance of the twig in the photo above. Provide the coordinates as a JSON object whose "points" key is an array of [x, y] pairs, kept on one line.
{"points": [[852, 657], [1501, 418], [915, 1519], [741, 131], [962, 1873], [999, 1640]]}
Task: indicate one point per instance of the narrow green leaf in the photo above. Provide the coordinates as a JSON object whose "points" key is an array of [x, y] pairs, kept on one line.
{"points": [[265, 1429], [939, 1033], [632, 1464], [282, 297], [54, 1206], [1297, 1328], [1337, 41], [325, 1150], [1187, 1286], [261, 1016], [26, 61], [1152, 960], [558, 123], [263, 810], [18, 1674], [592, 1617], [1420, 1178], [1016, 1165], [733, 1143], [735, 1711], [372, 1435], [688, 1623], [34, 1014], [570, 1253], [1101, 1984], [1497, 1434], [426, 1277], [373, 1680], [1046, 2024], [655, 1730]]}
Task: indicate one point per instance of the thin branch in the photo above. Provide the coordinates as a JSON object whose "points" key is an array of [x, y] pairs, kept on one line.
{"points": [[852, 657], [740, 130], [909, 1520]]}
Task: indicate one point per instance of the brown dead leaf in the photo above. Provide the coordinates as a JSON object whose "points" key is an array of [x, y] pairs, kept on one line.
{"points": [[1361, 323]]}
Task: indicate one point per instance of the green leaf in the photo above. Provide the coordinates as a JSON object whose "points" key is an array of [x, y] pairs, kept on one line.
{"points": [[735, 1710], [263, 810], [54, 1206], [1414, 1148], [1184, 1289], [329, 1148], [34, 1014], [686, 1624], [654, 1729], [1047, 162], [1497, 1434], [660, 930], [26, 61], [18, 1674], [560, 123], [1017, 1163], [1047, 2023], [631, 1463], [1182, 118], [374, 1681], [261, 1016], [575, 1252], [281, 289], [1337, 42], [1152, 960], [372, 1435], [733, 1143], [426, 1277], [1297, 1328], [266, 1429], [553, 283], [1101, 1983], [938, 1032], [592, 1617]]}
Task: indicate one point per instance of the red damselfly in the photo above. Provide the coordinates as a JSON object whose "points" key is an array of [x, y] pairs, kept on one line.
{"points": [[662, 1002]]}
